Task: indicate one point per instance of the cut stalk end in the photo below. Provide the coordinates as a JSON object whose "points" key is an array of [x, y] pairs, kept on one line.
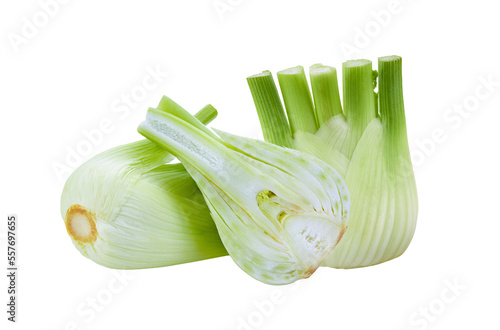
{"points": [[80, 224], [207, 114], [357, 63]]}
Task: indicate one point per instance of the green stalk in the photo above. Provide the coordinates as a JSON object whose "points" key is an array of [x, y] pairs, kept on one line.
{"points": [[392, 107], [359, 105], [209, 112], [325, 89], [270, 109], [298, 101]]}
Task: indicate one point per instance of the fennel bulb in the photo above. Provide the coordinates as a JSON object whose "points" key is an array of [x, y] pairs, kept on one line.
{"points": [[127, 208], [366, 142]]}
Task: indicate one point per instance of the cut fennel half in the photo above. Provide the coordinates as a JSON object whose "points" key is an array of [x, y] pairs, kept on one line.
{"points": [[279, 212]]}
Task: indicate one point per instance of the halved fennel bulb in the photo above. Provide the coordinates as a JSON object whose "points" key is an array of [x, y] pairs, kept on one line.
{"points": [[279, 212]]}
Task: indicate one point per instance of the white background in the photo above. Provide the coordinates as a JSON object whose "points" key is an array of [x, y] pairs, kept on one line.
{"points": [[65, 77]]}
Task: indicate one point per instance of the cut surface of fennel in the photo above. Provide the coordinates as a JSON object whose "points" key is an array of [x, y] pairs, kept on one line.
{"points": [[126, 208], [365, 141], [279, 212]]}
